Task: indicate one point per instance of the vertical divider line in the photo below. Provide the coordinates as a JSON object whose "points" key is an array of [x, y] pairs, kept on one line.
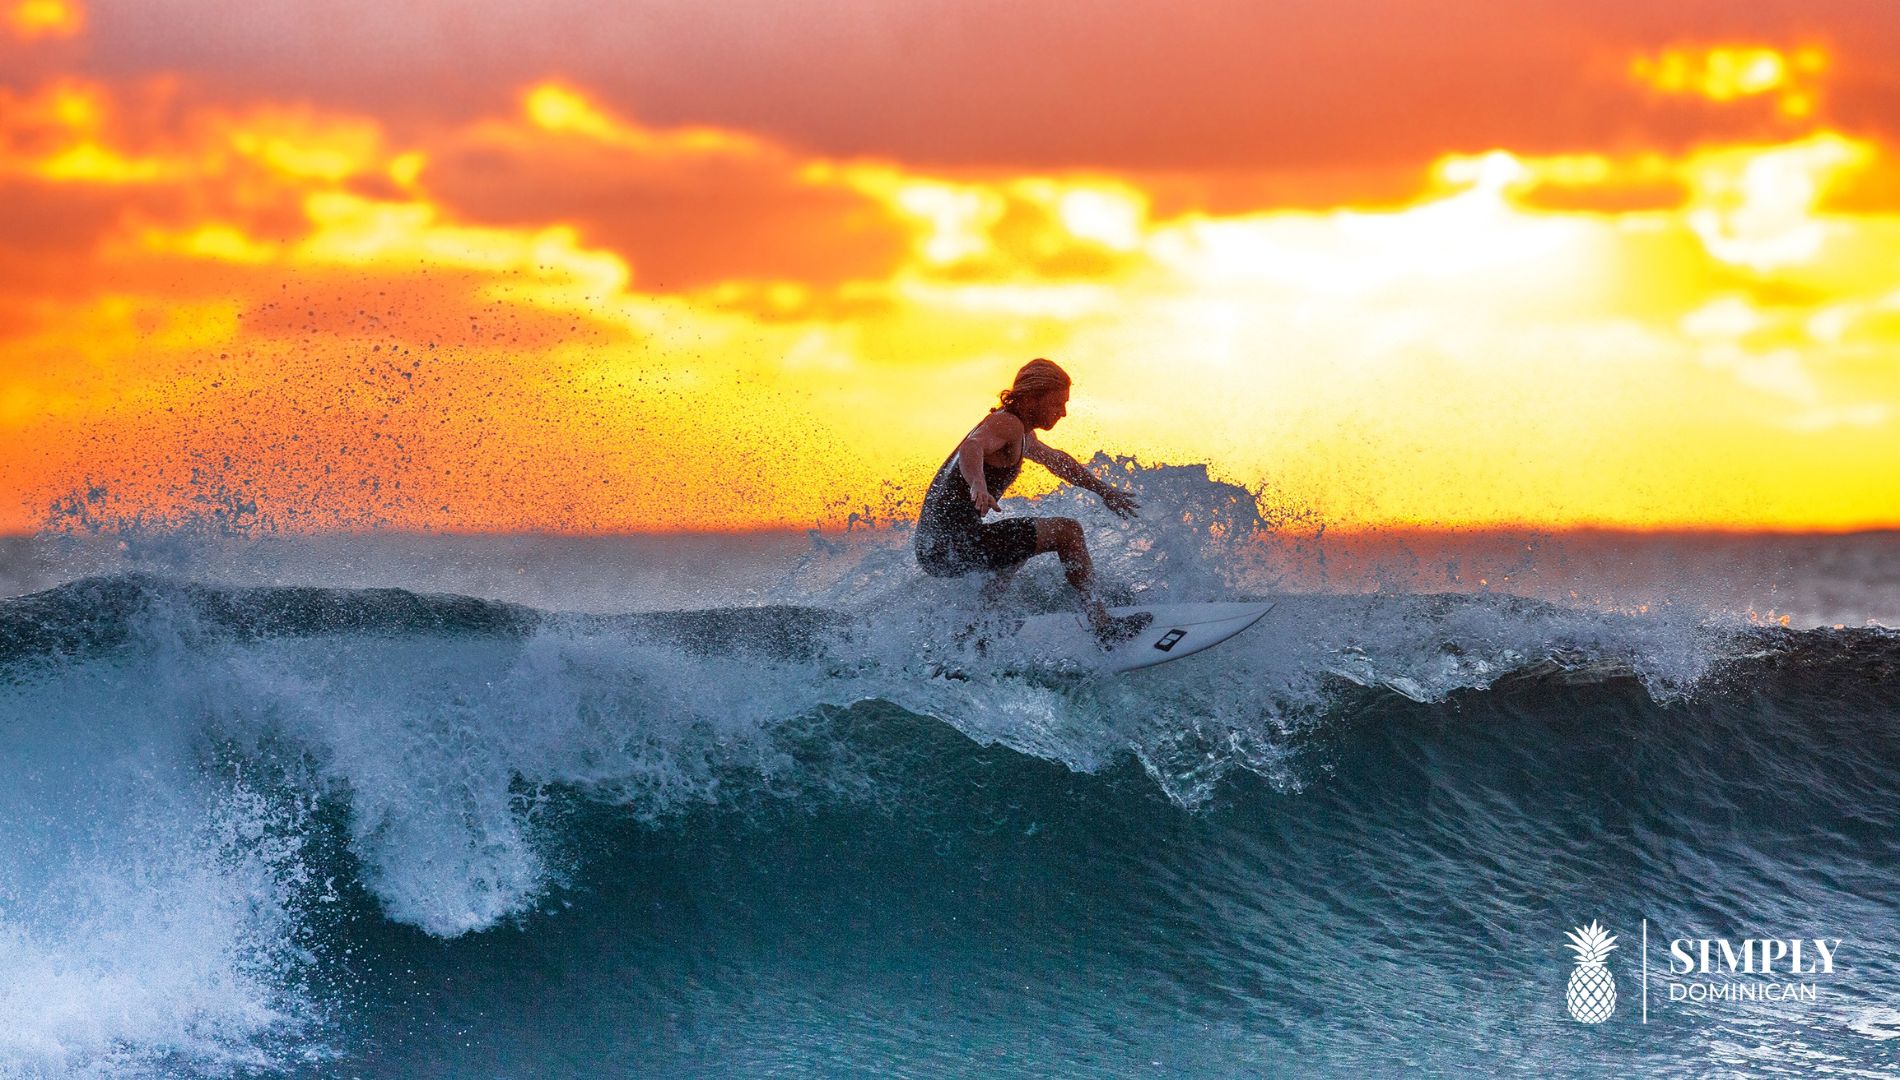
{"points": [[1645, 971]]}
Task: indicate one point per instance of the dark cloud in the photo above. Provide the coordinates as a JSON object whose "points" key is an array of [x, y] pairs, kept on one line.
{"points": [[37, 218], [1225, 84], [682, 218]]}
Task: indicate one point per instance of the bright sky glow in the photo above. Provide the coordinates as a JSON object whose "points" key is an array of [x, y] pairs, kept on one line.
{"points": [[542, 311]]}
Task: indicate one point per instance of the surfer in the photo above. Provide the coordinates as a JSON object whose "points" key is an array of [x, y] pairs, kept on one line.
{"points": [[952, 537]]}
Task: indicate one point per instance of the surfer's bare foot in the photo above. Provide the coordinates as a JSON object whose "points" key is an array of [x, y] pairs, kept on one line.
{"points": [[1112, 630]]}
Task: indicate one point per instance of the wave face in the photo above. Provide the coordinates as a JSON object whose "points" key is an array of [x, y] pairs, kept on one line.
{"points": [[307, 830]]}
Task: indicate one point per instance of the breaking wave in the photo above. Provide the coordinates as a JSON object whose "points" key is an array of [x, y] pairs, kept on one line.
{"points": [[216, 792]]}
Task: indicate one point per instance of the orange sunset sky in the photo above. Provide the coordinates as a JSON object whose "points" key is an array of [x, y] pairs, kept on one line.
{"points": [[555, 265]]}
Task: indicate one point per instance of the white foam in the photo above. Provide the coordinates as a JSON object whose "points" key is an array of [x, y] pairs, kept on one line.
{"points": [[144, 916]]}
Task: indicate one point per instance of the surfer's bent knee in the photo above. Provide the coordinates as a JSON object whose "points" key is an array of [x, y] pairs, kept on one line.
{"points": [[1055, 534]]}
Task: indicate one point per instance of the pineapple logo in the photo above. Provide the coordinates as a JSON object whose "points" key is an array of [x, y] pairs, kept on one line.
{"points": [[1592, 994]]}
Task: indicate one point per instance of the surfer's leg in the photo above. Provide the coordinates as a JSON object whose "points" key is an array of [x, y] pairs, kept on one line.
{"points": [[1064, 537]]}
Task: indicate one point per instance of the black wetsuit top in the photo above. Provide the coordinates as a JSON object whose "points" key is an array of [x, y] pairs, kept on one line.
{"points": [[952, 538]]}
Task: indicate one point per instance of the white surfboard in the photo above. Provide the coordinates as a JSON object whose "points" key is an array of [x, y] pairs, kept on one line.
{"points": [[1177, 630]]}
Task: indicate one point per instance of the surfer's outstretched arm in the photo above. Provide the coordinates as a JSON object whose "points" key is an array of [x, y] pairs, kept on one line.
{"points": [[1071, 470]]}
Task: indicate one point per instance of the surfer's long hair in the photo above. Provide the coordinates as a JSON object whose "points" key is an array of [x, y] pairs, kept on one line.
{"points": [[1036, 377]]}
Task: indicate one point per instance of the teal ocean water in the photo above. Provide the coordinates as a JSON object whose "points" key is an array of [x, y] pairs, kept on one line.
{"points": [[507, 807]]}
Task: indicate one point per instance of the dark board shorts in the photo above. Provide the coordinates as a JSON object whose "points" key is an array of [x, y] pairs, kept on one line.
{"points": [[995, 545]]}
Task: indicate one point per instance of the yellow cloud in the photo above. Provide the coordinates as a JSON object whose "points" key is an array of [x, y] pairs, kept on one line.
{"points": [[561, 109], [304, 146], [31, 20], [1755, 206], [1053, 226], [63, 134], [1724, 73]]}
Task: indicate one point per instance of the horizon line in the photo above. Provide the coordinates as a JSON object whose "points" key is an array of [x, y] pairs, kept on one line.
{"points": [[1346, 531]]}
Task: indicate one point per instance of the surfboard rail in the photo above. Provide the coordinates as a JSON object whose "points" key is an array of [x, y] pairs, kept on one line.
{"points": [[1177, 631]]}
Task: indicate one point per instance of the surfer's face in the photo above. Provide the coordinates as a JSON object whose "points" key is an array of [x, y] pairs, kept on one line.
{"points": [[1047, 408]]}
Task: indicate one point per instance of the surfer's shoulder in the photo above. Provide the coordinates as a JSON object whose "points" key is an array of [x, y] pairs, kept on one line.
{"points": [[1004, 423]]}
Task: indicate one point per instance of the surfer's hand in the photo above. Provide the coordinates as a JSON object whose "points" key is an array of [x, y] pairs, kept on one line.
{"points": [[1120, 502], [985, 502]]}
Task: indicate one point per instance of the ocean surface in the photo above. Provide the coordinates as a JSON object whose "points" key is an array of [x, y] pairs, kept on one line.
{"points": [[447, 806]]}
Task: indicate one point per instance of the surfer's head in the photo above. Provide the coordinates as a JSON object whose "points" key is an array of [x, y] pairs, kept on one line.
{"points": [[1040, 394]]}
